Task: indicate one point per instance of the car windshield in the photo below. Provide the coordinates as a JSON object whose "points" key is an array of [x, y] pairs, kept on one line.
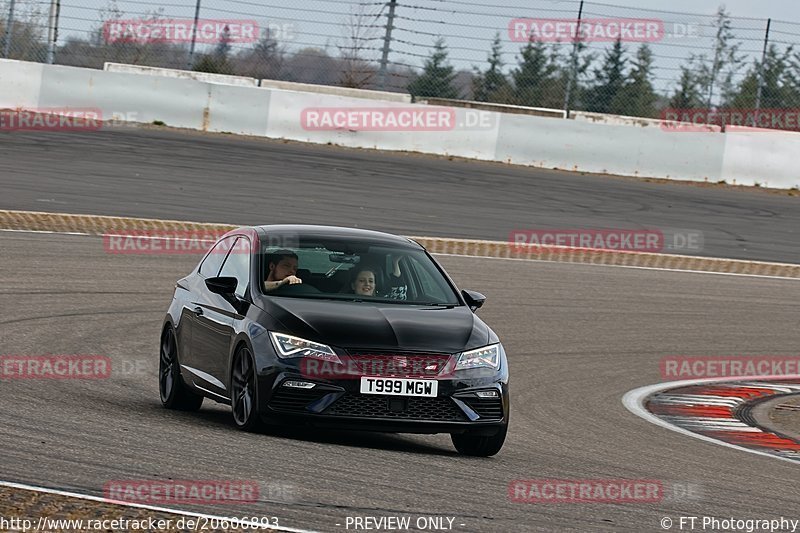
{"points": [[352, 270]]}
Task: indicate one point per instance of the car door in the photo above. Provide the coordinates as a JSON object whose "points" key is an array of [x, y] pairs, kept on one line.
{"points": [[211, 321], [214, 324]]}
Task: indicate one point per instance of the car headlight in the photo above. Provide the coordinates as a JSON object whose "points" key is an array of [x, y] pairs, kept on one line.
{"points": [[289, 347], [486, 357]]}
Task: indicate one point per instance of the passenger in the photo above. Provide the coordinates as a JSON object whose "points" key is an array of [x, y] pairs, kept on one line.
{"points": [[364, 282], [282, 270], [398, 284]]}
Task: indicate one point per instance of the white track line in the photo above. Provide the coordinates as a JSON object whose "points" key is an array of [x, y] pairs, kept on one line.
{"points": [[634, 402], [660, 269], [254, 525]]}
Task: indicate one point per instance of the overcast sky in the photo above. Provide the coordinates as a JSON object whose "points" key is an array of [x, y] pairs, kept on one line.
{"points": [[778, 9]]}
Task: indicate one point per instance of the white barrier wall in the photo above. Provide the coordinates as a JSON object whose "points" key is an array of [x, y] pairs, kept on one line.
{"points": [[182, 74], [338, 91], [765, 157], [286, 113], [132, 97], [19, 84], [743, 157], [609, 149]]}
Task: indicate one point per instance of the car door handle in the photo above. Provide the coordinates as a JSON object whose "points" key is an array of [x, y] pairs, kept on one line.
{"points": [[198, 311]]}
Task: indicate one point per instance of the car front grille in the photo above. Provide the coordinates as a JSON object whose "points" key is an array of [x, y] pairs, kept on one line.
{"points": [[397, 364], [407, 408], [487, 408], [289, 399]]}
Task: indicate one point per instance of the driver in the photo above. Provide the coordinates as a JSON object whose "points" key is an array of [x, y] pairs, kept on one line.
{"points": [[282, 270]]}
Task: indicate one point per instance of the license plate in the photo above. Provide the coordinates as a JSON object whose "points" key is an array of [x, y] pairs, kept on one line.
{"points": [[399, 386]]}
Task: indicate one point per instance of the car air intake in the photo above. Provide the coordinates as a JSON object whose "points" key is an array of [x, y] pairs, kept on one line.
{"points": [[294, 399], [412, 408], [487, 408]]}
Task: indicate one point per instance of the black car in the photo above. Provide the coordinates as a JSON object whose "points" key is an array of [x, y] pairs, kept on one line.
{"points": [[334, 327]]}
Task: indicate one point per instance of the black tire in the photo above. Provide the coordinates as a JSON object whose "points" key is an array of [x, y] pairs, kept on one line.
{"points": [[479, 445], [174, 392], [244, 392]]}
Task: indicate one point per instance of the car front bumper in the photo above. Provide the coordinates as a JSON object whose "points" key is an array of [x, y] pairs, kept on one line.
{"points": [[339, 404]]}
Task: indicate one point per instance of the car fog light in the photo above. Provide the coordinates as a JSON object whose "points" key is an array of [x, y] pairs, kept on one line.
{"points": [[299, 384], [487, 394]]}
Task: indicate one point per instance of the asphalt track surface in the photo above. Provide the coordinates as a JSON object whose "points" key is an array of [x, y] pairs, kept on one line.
{"points": [[223, 178], [578, 338]]}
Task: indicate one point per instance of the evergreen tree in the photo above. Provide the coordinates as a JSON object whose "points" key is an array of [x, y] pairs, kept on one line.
{"points": [[775, 91], [610, 79], [266, 47], [687, 95], [637, 98], [436, 80], [580, 62], [489, 85], [534, 75], [217, 62], [793, 79]]}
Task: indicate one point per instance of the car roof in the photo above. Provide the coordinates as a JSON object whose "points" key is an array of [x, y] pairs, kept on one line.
{"points": [[336, 232]]}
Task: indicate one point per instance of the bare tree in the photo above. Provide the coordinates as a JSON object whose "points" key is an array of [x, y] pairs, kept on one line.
{"points": [[26, 36], [722, 67], [360, 32], [264, 60], [311, 65], [120, 46]]}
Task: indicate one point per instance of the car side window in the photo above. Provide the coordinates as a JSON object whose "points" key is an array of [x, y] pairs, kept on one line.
{"points": [[237, 265], [213, 261], [431, 288]]}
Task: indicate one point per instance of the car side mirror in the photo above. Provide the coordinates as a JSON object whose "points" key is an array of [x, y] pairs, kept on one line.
{"points": [[474, 299], [223, 285]]}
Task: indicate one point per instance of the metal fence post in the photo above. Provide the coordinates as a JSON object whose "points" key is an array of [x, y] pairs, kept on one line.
{"points": [[9, 29], [52, 30], [573, 73], [194, 36], [387, 41], [761, 67]]}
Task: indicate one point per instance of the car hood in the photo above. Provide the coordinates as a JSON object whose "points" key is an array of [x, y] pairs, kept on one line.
{"points": [[381, 326]]}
